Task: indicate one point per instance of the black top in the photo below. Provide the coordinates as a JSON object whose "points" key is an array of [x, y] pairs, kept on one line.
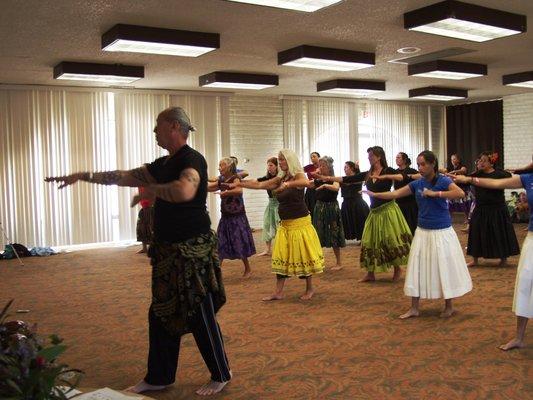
{"points": [[325, 195], [484, 196], [351, 190], [292, 204], [175, 222], [377, 186], [405, 182], [267, 177]]}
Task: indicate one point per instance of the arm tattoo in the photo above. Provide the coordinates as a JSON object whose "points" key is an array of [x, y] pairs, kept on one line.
{"points": [[191, 177], [138, 173], [106, 178]]}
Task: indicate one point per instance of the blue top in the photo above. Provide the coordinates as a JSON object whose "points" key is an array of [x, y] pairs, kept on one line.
{"points": [[432, 211], [527, 182]]}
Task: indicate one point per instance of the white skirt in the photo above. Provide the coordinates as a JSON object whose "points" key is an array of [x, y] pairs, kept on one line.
{"points": [[436, 267], [523, 291]]}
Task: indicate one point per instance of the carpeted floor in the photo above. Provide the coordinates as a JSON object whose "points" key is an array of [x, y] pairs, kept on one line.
{"points": [[347, 343]]}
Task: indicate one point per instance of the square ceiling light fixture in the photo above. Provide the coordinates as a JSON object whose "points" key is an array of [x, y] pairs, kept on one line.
{"points": [[326, 58], [298, 5], [464, 21], [237, 80], [144, 39], [438, 93], [443, 69], [521, 79], [351, 87], [105, 73]]}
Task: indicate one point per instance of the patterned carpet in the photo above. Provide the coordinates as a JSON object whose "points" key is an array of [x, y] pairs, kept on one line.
{"points": [[347, 343]]}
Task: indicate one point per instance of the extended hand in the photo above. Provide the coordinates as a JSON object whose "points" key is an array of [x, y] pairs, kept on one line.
{"points": [[66, 180], [368, 192], [148, 193], [428, 193]]}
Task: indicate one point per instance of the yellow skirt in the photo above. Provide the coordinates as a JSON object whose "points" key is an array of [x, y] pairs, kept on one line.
{"points": [[297, 250]]}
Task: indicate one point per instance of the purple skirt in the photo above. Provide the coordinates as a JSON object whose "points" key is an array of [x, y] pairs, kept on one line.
{"points": [[235, 239]]}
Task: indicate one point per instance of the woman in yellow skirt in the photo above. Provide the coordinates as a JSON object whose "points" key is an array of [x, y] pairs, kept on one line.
{"points": [[297, 250]]}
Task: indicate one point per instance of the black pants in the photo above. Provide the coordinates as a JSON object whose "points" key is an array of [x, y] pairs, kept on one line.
{"points": [[165, 348]]}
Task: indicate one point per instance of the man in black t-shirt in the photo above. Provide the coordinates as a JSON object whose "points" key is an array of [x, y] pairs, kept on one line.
{"points": [[187, 288]]}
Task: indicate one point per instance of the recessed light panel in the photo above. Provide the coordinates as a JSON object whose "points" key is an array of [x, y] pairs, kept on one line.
{"points": [[438, 93], [443, 69], [298, 5], [104, 73], [521, 79], [351, 87], [237, 80], [326, 58]]}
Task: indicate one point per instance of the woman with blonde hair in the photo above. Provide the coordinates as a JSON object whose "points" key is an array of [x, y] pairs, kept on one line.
{"points": [[235, 240], [297, 250]]}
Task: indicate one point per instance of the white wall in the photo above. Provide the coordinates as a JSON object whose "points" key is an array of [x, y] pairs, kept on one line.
{"points": [[256, 133], [518, 130]]}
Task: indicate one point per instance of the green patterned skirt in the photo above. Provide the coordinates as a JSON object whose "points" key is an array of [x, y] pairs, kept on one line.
{"points": [[327, 221], [183, 273], [270, 220], [386, 239]]}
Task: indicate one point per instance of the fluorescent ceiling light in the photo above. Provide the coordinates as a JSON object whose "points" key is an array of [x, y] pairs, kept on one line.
{"points": [[237, 80], [326, 58], [104, 73], [298, 5], [438, 93], [464, 21], [143, 39], [521, 79], [443, 69], [351, 87]]}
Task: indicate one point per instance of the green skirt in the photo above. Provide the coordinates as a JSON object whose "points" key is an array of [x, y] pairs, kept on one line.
{"points": [[386, 239], [327, 221], [270, 220]]}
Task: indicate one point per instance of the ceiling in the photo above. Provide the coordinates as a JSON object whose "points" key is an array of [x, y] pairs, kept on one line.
{"points": [[38, 34]]}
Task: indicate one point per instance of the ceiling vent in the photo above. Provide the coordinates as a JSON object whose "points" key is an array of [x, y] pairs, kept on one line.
{"points": [[436, 55]]}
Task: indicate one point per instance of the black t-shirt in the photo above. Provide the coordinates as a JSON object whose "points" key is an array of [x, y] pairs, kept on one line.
{"points": [[325, 195], [406, 181], [484, 196], [175, 222], [377, 186]]}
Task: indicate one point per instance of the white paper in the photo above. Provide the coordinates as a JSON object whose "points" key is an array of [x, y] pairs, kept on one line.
{"points": [[64, 389], [106, 394]]}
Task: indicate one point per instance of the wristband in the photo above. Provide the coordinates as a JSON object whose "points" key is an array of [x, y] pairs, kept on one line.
{"points": [[476, 180]]}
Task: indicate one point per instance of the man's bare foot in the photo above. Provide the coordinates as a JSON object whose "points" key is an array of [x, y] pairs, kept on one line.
{"points": [[411, 313], [447, 313], [513, 344], [211, 388], [264, 253], [272, 297], [142, 386], [336, 268], [472, 263], [247, 274], [368, 278], [307, 295], [141, 251]]}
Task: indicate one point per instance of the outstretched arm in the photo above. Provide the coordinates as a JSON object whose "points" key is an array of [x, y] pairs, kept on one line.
{"points": [[514, 182], [269, 184], [402, 192], [334, 187]]}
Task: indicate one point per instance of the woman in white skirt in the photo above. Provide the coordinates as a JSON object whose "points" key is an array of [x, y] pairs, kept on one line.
{"points": [[436, 267], [523, 292]]}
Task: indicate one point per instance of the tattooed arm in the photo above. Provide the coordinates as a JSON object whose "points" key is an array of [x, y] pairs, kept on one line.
{"points": [[132, 178], [179, 191]]}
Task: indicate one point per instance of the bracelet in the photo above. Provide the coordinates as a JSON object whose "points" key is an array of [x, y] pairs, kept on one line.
{"points": [[476, 180]]}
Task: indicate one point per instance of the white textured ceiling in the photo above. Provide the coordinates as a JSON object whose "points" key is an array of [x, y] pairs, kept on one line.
{"points": [[37, 34]]}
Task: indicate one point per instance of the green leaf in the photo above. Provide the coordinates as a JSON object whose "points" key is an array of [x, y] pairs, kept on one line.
{"points": [[51, 353]]}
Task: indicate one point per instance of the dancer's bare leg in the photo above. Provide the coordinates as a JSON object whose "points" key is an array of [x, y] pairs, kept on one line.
{"points": [[414, 310], [338, 265], [370, 277], [212, 387], [144, 248], [142, 386], [518, 341], [267, 252], [247, 270], [448, 309], [397, 274], [475, 261], [278, 294], [309, 291]]}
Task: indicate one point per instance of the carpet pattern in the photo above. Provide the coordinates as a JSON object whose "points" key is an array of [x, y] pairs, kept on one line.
{"points": [[346, 343]]}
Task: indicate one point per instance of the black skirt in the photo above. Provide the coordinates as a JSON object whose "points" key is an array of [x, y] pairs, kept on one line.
{"points": [[354, 211], [310, 199], [410, 213], [491, 233]]}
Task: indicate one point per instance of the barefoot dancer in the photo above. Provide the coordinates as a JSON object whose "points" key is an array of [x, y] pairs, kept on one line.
{"points": [[491, 233], [310, 170], [354, 209], [271, 216], [436, 266], [235, 240], [187, 288], [297, 250], [327, 218], [523, 293], [387, 237]]}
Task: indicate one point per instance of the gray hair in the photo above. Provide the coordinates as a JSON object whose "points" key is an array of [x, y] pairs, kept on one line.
{"points": [[329, 163], [179, 115]]}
